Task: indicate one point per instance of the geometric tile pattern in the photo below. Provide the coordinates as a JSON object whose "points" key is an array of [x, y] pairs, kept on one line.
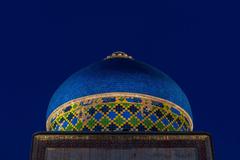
{"points": [[119, 114]]}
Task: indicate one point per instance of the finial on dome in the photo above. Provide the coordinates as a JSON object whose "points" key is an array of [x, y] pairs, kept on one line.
{"points": [[119, 54]]}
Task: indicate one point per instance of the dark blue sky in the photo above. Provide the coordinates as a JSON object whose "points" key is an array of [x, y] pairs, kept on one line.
{"points": [[194, 42]]}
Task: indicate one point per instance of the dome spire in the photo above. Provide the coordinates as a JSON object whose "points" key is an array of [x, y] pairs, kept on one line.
{"points": [[118, 54]]}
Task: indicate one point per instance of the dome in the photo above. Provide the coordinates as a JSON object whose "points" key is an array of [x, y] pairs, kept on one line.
{"points": [[117, 82]]}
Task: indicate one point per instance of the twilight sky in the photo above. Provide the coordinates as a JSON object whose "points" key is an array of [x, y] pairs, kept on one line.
{"points": [[194, 42]]}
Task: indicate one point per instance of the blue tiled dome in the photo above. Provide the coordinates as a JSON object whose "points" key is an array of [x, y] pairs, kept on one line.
{"points": [[119, 75]]}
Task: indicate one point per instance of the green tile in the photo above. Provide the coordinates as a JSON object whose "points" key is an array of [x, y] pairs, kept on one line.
{"points": [[111, 105], [58, 118], [74, 105], [125, 105], [69, 128], [121, 99], [148, 123], [166, 107], [134, 121], [138, 104], [91, 123], [98, 106], [159, 125], [104, 121], [119, 120], [79, 125], [187, 124], [170, 128], [174, 116], [65, 115]]}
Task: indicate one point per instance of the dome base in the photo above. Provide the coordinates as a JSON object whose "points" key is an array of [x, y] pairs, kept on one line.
{"points": [[119, 112]]}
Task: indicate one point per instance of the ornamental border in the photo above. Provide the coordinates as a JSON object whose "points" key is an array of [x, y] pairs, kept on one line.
{"points": [[112, 94]]}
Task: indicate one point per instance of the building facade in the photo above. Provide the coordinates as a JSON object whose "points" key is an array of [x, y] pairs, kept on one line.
{"points": [[120, 108]]}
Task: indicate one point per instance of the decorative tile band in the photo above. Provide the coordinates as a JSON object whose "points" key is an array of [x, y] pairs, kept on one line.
{"points": [[119, 112]]}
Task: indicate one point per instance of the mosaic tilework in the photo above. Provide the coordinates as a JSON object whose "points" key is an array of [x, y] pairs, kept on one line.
{"points": [[119, 114]]}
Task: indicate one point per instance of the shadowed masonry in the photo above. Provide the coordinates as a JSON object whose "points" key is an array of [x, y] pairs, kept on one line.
{"points": [[121, 154], [76, 146]]}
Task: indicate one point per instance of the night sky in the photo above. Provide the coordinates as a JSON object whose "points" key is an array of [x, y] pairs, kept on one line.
{"points": [[194, 42]]}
